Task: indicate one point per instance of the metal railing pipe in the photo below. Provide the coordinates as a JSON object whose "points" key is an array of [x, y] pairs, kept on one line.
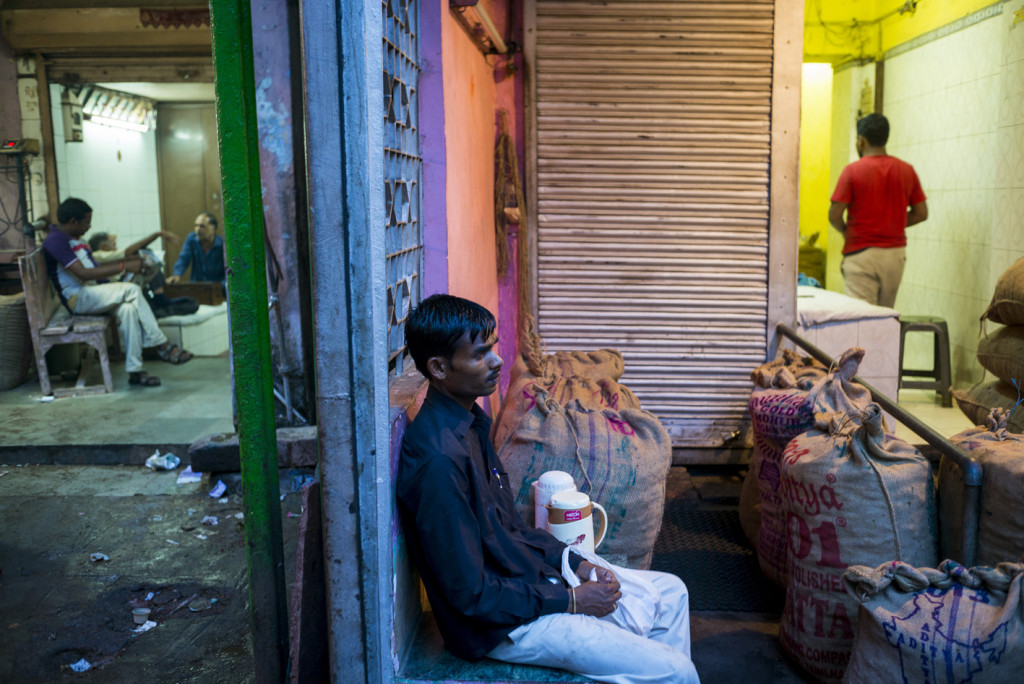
{"points": [[238, 142], [970, 468]]}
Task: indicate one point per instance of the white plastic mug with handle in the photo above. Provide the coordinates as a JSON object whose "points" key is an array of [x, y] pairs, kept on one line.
{"points": [[571, 521]]}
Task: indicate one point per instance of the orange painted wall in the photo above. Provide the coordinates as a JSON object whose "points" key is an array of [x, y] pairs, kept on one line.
{"points": [[469, 102]]}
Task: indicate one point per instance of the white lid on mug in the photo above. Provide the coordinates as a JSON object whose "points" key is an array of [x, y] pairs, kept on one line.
{"points": [[569, 499], [555, 481]]}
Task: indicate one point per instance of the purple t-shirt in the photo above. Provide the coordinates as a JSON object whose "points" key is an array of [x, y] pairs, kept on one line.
{"points": [[60, 251]]}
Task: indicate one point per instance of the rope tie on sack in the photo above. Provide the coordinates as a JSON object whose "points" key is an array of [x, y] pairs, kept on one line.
{"points": [[532, 347], [843, 367], [891, 509], [870, 428], [576, 452], [998, 420]]}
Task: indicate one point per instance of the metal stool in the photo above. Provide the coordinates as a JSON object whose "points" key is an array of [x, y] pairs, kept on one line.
{"points": [[940, 374]]}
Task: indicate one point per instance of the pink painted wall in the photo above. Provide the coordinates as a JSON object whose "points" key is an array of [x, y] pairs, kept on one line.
{"points": [[457, 143], [509, 93], [469, 106]]}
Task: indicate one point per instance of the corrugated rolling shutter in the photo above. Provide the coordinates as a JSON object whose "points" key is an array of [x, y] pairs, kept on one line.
{"points": [[652, 197]]}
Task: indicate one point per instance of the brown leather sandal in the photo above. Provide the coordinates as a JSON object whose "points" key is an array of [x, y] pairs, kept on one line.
{"points": [[173, 354]]}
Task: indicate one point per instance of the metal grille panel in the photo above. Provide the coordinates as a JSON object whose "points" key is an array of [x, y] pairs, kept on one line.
{"points": [[652, 134], [402, 169]]}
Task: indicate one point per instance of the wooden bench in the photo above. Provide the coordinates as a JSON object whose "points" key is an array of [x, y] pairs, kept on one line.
{"points": [[50, 324]]}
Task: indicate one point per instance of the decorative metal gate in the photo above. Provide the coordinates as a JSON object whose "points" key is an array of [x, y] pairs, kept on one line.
{"points": [[402, 168]]}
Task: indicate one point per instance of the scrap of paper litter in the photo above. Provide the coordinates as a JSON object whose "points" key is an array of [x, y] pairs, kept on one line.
{"points": [[186, 476]]}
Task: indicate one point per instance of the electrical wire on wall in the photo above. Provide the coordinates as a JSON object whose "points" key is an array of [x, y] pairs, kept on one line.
{"points": [[12, 171], [853, 33], [839, 34]]}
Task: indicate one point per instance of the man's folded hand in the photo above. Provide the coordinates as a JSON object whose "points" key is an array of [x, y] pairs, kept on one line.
{"points": [[598, 598]]}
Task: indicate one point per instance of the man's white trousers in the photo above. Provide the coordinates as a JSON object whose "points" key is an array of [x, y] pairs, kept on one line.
{"points": [[605, 649], [134, 317]]}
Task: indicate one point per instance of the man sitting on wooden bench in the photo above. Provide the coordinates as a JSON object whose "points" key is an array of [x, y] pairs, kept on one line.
{"points": [[83, 289], [498, 587]]}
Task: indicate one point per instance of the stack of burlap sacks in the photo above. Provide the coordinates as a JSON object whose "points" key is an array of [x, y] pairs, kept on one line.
{"points": [[951, 623], [1000, 353], [567, 411], [840, 503]]}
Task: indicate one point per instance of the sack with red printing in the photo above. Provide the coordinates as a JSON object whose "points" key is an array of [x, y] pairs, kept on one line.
{"points": [[565, 376], [789, 371], [852, 495], [777, 416], [596, 394]]}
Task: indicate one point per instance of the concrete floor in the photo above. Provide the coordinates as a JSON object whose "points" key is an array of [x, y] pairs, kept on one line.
{"points": [[59, 607], [925, 406], [123, 427], [728, 646]]}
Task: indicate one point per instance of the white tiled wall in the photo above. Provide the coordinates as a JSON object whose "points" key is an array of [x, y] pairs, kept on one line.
{"points": [[1007, 235], [115, 171], [956, 106]]}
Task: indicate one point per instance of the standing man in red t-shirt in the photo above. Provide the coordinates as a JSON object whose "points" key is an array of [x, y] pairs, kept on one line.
{"points": [[874, 193]]}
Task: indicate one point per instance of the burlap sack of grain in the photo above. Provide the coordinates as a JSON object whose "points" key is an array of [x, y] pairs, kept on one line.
{"points": [[978, 401], [533, 360], [599, 364], [596, 394], [788, 371], [589, 376], [1002, 353], [1007, 305], [15, 341], [937, 626], [852, 495], [1001, 518], [777, 416], [620, 458]]}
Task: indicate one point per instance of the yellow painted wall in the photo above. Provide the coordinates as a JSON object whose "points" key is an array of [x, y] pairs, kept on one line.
{"points": [[838, 31], [815, 150]]}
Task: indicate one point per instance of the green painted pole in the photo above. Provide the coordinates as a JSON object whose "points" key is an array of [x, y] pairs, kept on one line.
{"points": [[238, 140]]}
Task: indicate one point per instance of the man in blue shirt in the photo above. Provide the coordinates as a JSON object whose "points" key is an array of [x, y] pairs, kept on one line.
{"points": [[203, 251]]}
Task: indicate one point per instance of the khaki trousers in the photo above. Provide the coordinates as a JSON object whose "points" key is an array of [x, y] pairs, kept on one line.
{"points": [[874, 274]]}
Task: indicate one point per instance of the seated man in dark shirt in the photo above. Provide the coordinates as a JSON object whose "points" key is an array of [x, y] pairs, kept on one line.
{"points": [[495, 584]]}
